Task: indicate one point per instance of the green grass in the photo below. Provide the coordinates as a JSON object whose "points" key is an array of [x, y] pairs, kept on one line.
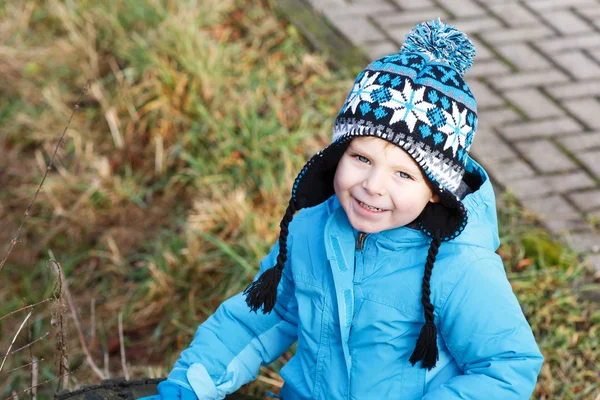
{"points": [[175, 174]]}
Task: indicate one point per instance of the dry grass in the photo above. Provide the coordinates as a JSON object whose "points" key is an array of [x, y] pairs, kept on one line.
{"points": [[174, 175]]}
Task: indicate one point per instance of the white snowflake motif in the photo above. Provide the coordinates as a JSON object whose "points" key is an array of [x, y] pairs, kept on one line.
{"points": [[408, 106], [456, 128], [362, 92]]}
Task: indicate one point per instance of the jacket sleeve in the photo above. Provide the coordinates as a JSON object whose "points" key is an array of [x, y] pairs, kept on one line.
{"points": [[231, 345], [486, 332]]}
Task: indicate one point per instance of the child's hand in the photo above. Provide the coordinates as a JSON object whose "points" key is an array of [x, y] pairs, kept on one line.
{"points": [[168, 390]]}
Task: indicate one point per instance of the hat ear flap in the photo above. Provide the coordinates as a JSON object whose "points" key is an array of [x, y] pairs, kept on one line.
{"points": [[448, 217]]}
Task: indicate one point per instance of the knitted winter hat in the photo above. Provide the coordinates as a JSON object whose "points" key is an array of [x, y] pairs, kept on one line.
{"points": [[417, 100]]}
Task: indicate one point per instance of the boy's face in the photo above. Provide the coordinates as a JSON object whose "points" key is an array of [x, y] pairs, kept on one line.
{"points": [[380, 186]]}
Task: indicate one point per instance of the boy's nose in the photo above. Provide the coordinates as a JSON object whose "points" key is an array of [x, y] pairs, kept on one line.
{"points": [[374, 183]]}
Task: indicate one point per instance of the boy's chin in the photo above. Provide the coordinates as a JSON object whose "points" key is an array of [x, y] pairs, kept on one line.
{"points": [[361, 226]]}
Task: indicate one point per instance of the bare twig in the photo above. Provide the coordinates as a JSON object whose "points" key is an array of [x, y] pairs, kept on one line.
{"points": [[106, 365], [123, 359], [69, 298], [25, 308], [26, 346], [270, 381], [34, 379], [21, 367], [14, 339], [15, 395], [34, 369], [58, 320], [93, 319], [16, 239]]}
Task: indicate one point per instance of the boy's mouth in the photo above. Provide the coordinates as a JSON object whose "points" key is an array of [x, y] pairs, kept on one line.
{"points": [[370, 207]]}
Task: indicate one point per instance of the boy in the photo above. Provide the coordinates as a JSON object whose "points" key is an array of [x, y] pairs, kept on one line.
{"points": [[352, 278]]}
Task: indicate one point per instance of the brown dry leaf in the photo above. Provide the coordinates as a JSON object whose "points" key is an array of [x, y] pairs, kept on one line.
{"points": [[524, 263]]}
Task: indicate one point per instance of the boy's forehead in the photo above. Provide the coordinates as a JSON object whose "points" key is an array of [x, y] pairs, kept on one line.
{"points": [[375, 143]]}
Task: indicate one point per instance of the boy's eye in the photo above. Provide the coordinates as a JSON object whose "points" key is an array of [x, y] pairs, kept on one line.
{"points": [[362, 158], [403, 175]]}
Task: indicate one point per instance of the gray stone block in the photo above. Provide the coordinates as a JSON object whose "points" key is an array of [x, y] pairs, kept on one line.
{"points": [[556, 214], [399, 33], [566, 22], [573, 90], [577, 64], [586, 110], [498, 116], [463, 8], [358, 30], [540, 186], [412, 4], [487, 69], [380, 49], [557, 45], [372, 7], [596, 53], [522, 56], [542, 5], [514, 14], [533, 103], [589, 10], [591, 160], [474, 25], [484, 96], [489, 147], [411, 18], [586, 201], [530, 78], [578, 143], [524, 34], [545, 128], [583, 242], [545, 156], [481, 52], [505, 171]]}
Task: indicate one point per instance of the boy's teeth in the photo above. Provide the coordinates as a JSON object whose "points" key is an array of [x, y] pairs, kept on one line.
{"points": [[370, 207]]}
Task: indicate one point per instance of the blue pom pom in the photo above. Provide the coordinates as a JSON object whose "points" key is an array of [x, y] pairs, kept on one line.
{"points": [[441, 43]]}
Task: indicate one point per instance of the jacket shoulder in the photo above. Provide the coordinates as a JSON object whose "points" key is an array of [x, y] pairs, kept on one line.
{"points": [[310, 219], [455, 261]]}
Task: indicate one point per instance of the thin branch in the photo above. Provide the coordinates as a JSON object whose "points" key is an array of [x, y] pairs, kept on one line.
{"points": [[67, 293], [93, 319], [26, 346], [34, 379], [34, 365], [14, 339], [123, 359], [16, 239], [21, 367], [25, 308], [40, 384]]}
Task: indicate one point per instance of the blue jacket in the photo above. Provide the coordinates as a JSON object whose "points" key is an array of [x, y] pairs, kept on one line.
{"points": [[356, 314]]}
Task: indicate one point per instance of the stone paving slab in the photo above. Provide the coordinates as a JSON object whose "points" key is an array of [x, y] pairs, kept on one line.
{"points": [[536, 80]]}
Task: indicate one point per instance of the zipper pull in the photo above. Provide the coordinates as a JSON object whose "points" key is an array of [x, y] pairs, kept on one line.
{"points": [[360, 241]]}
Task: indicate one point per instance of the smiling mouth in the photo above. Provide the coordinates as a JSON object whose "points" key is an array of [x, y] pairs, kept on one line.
{"points": [[369, 207]]}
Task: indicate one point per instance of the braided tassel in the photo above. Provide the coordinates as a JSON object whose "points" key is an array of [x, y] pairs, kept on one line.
{"points": [[426, 347], [262, 293]]}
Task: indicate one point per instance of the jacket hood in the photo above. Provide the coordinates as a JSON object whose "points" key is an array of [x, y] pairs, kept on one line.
{"points": [[482, 228]]}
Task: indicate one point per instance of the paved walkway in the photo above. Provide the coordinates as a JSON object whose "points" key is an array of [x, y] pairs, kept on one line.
{"points": [[536, 79]]}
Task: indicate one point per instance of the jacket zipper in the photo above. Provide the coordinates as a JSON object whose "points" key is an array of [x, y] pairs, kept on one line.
{"points": [[360, 241], [359, 247]]}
